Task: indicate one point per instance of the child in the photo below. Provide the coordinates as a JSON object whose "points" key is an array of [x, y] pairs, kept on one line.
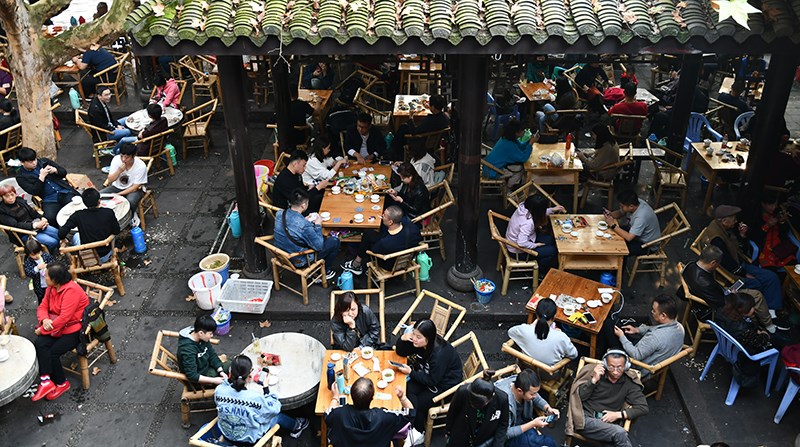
{"points": [[36, 262], [196, 356]]}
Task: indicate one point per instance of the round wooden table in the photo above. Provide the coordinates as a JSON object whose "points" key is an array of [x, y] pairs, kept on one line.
{"points": [[139, 119], [19, 371], [300, 368], [117, 203]]}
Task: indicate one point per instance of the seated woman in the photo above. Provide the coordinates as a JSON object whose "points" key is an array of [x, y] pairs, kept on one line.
{"points": [[771, 234], [434, 367], [15, 212], [412, 195], [245, 414], [424, 164], [478, 415], [509, 153], [58, 329], [321, 165], [566, 99], [541, 340], [606, 152], [353, 324], [530, 227]]}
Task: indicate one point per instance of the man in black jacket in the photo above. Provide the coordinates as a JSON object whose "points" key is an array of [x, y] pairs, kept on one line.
{"points": [[45, 178], [699, 276], [358, 425], [100, 116], [94, 224], [291, 178], [397, 233], [363, 142], [437, 120]]}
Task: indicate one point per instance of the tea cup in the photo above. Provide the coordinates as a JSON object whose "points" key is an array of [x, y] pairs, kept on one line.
{"points": [[358, 218], [367, 353], [382, 384], [336, 189], [706, 142], [375, 198], [325, 215], [606, 297], [797, 269], [359, 198], [569, 309], [603, 225], [566, 227], [388, 375]]}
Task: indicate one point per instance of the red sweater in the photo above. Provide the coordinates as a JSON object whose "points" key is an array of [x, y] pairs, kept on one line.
{"points": [[65, 307]]}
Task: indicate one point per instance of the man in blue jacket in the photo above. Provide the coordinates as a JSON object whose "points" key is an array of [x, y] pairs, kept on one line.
{"points": [[523, 399]]}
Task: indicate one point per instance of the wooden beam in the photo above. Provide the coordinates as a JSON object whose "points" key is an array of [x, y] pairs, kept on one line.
{"points": [[280, 87]]}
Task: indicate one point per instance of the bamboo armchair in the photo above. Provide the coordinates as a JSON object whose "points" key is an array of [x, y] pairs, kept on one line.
{"points": [[7, 322], [557, 388], [363, 297], [313, 271], [164, 363], [441, 402], [380, 109], [127, 65], [306, 129], [587, 361], [566, 122], [431, 232], [181, 84], [204, 84], [497, 186], [657, 261], [95, 350], [722, 114], [148, 201], [84, 259], [268, 206], [668, 176], [98, 135], [117, 84], [514, 198], [15, 237], [12, 136], [511, 263], [696, 337], [430, 140], [608, 185], [209, 435], [156, 151], [440, 314], [447, 169], [402, 262], [196, 127], [660, 369], [722, 276], [626, 128]]}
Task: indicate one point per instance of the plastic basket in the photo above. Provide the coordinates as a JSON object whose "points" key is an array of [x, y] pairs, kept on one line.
{"points": [[237, 295]]}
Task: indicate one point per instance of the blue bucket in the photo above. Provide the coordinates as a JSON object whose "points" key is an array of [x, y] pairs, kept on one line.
{"points": [[608, 279], [484, 297]]}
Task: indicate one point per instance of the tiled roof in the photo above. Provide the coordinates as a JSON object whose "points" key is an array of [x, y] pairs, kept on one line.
{"points": [[455, 21]]}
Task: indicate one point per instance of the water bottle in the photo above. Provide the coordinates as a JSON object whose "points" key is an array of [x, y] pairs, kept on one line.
{"points": [[340, 383], [139, 246], [425, 264], [236, 227], [331, 375]]}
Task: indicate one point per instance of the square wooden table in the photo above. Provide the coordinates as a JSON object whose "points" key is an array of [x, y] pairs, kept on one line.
{"points": [[544, 174], [73, 72], [343, 206], [318, 99], [711, 166], [401, 116], [557, 282], [324, 395], [537, 92], [589, 251]]}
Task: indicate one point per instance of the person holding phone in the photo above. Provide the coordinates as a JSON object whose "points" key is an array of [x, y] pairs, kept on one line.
{"points": [[478, 415], [510, 152], [433, 367], [598, 399], [127, 175], [523, 403]]}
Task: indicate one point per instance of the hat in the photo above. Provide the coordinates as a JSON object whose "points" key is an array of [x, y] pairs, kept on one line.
{"points": [[726, 211]]}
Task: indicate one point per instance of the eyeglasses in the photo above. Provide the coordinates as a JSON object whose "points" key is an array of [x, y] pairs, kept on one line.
{"points": [[616, 368]]}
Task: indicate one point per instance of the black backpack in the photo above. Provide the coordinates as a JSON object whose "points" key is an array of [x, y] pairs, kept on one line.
{"points": [[93, 319]]}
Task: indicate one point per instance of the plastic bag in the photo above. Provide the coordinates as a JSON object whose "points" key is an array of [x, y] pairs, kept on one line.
{"points": [[74, 99], [221, 315]]}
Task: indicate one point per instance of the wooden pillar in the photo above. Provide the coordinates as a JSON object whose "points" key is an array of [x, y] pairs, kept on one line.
{"points": [[234, 107], [472, 77], [682, 108], [768, 129], [280, 86]]}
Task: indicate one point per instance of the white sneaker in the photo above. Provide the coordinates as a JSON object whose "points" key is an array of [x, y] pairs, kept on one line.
{"points": [[135, 220], [105, 169], [414, 438]]}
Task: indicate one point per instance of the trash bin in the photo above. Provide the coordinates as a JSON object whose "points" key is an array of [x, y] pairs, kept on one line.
{"points": [[217, 262], [207, 289], [484, 289]]}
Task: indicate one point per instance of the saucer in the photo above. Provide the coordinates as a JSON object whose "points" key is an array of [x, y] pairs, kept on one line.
{"points": [[376, 207], [574, 234], [599, 233], [336, 356], [325, 219], [336, 193]]}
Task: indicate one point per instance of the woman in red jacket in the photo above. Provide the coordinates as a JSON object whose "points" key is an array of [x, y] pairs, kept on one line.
{"points": [[59, 324]]}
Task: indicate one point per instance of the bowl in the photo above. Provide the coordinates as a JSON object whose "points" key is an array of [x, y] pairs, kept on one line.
{"points": [[367, 353], [336, 357], [388, 375], [325, 215], [358, 218], [382, 384], [606, 297]]}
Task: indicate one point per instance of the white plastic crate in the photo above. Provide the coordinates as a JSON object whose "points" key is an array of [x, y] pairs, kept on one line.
{"points": [[238, 293]]}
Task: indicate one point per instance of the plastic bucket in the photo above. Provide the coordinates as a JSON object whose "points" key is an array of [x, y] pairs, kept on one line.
{"points": [[484, 297], [219, 263], [703, 183], [269, 164], [207, 288], [608, 279]]}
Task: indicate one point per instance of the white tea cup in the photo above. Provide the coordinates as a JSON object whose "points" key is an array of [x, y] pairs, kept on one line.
{"points": [[359, 197], [569, 309], [325, 215], [706, 142], [358, 218], [566, 227], [336, 189], [375, 198], [603, 225], [606, 297]]}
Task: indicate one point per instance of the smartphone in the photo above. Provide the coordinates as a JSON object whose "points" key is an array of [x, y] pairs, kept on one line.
{"points": [[734, 287], [589, 318], [395, 364], [550, 418], [342, 400]]}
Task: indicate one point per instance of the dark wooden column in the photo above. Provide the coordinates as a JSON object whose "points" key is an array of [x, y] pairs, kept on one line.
{"points": [[682, 108], [769, 126], [234, 106], [280, 86], [472, 83]]}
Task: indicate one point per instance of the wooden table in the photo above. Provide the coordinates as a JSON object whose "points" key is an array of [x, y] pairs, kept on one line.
{"points": [[727, 83], [117, 203], [401, 116], [537, 92], [588, 251], [710, 167], [409, 68], [642, 94], [543, 174], [318, 99], [20, 370], [72, 71], [324, 395], [792, 280], [343, 206], [299, 371], [139, 119], [557, 282]]}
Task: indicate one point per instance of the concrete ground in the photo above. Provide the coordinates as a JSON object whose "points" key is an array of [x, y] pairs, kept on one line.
{"points": [[127, 406]]}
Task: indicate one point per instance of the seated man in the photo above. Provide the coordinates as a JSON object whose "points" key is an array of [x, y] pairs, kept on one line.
{"points": [[95, 60], [397, 233], [437, 120], [318, 76], [291, 178], [598, 399], [94, 224], [734, 99], [592, 80], [358, 425], [724, 233], [47, 179], [699, 277], [299, 113], [629, 106], [100, 116], [363, 142], [294, 233], [658, 342], [197, 358], [524, 402], [9, 116], [127, 176], [157, 125], [642, 225]]}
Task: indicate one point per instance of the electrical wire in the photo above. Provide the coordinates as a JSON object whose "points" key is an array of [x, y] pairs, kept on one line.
{"points": [[622, 304]]}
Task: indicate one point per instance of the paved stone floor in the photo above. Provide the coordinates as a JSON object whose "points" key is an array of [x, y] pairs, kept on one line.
{"points": [[127, 406]]}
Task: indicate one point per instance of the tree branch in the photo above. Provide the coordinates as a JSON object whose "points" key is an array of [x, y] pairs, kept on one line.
{"points": [[44, 9]]}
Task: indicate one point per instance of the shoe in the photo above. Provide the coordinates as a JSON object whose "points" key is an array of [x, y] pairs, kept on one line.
{"points": [[59, 390], [348, 265], [8, 298], [135, 220], [45, 388], [105, 169], [330, 274], [781, 323], [104, 152], [414, 438], [302, 424]]}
